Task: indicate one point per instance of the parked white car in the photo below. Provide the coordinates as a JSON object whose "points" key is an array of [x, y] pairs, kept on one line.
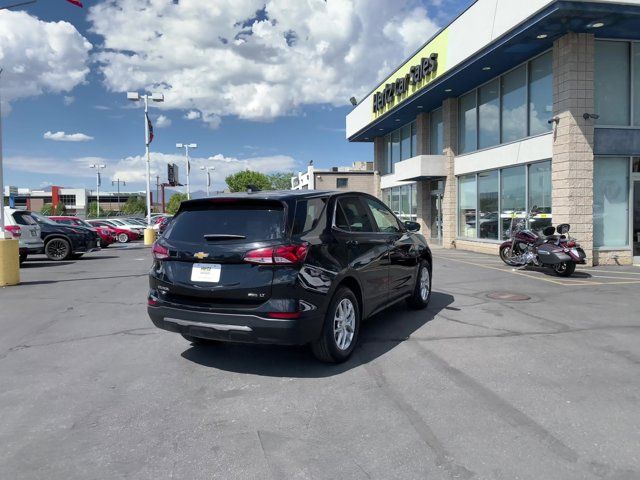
{"points": [[24, 228], [123, 223]]}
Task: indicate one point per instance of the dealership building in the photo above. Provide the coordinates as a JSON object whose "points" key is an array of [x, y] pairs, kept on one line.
{"points": [[516, 104]]}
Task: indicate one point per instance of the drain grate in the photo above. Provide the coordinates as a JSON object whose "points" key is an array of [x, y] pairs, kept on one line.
{"points": [[508, 296]]}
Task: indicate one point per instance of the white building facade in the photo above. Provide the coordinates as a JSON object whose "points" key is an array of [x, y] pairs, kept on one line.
{"points": [[515, 105]]}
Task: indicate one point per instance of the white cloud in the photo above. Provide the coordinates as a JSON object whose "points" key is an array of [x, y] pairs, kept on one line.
{"points": [[163, 121], [288, 55], [68, 100], [48, 166], [132, 169], [192, 115], [44, 56], [67, 137]]}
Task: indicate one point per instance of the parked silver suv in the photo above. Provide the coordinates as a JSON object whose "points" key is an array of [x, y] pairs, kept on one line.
{"points": [[24, 228]]}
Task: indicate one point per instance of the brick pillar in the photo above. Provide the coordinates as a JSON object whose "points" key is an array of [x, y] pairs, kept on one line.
{"points": [[450, 200], [422, 134], [423, 210], [378, 162], [572, 165]]}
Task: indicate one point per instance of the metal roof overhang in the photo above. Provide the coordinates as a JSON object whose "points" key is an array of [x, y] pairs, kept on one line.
{"points": [[519, 45]]}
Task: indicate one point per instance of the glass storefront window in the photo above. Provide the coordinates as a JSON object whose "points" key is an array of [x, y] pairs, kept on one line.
{"points": [[513, 196], [489, 114], [467, 203], [402, 201], [487, 220], [436, 132], [514, 105], [611, 202], [540, 94], [636, 83], [467, 128], [612, 83], [395, 148], [405, 142], [386, 166], [414, 139], [540, 194]]}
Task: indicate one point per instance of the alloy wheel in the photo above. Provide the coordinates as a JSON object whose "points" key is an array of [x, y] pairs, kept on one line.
{"points": [[344, 324], [123, 238], [424, 283], [57, 249]]}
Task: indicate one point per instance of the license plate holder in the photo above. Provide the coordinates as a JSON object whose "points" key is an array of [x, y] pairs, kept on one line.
{"points": [[206, 272]]}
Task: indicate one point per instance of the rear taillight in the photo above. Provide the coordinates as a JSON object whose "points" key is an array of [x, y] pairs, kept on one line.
{"points": [[280, 255], [159, 252], [571, 244], [14, 230]]}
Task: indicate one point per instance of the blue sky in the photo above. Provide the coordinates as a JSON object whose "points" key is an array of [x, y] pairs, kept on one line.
{"points": [[267, 86]]}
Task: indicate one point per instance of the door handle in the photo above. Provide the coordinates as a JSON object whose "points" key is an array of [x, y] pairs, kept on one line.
{"points": [[352, 243]]}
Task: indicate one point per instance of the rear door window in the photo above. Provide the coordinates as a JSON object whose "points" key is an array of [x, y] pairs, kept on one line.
{"points": [[308, 215], [220, 222], [355, 215]]}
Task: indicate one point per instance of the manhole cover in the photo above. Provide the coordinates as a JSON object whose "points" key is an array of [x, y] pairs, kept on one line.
{"points": [[508, 296]]}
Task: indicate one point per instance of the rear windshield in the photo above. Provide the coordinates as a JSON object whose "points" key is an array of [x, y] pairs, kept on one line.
{"points": [[23, 218], [251, 223]]}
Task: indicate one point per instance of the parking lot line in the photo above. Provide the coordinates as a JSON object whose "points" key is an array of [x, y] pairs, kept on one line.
{"points": [[570, 282], [506, 270], [611, 271]]}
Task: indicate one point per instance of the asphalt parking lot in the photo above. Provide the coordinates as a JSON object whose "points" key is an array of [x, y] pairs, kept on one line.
{"points": [[473, 387]]}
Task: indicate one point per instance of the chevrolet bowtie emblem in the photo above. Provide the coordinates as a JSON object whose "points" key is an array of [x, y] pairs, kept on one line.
{"points": [[201, 255]]}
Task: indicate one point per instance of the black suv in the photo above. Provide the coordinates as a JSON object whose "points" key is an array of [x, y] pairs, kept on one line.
{"points": [[63, 242], [285, 267]]}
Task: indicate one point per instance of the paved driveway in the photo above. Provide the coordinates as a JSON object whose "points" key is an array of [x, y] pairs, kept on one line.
{"points": [[547, 388]]}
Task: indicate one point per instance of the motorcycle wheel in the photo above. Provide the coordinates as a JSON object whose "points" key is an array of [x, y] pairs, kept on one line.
{"points": [[564, 269], [507, 257]]}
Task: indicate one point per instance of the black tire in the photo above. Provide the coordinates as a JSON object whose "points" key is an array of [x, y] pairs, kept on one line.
{"points": [[57, 249], [564, 269], [327, 348], [198, 341], [76, 256], [505, 256], [23, 258], [123, 238], [421, 296]]}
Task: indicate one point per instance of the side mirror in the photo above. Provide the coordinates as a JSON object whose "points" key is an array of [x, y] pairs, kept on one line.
{"points": [[412, 226]]}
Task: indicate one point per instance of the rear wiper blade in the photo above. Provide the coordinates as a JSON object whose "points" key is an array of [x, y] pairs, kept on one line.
{"points": [[223, 236]]}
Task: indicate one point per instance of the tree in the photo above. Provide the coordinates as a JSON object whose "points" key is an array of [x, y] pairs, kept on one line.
{"points": [[240, 182], [92, 211], [48, 210], [281, 180], [134, 206], [175, 201]]}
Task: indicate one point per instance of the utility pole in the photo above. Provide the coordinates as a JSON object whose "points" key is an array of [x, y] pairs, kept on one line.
{"points": [[117, 181]]}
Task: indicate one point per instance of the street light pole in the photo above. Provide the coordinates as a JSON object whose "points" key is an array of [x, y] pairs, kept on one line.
{"points": [[186, 147], [98, 167], [2, 233], [118, 182], [208, 170], [156, 97]]}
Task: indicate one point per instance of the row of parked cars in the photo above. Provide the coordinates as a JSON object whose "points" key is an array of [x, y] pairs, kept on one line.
{"points": [[68, 237]]}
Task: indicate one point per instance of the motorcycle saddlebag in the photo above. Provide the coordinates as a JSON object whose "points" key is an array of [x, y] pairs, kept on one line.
{"points": [[550, 254]]}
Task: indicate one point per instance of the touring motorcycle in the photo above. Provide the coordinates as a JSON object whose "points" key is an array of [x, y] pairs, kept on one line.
{"points": [[552, 248]]}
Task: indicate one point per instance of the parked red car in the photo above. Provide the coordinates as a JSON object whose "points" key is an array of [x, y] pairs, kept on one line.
{"points": [[107, 235], [122, 235]]}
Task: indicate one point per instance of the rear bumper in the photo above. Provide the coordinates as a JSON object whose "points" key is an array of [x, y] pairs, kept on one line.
{"points": [[245, 328]]}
